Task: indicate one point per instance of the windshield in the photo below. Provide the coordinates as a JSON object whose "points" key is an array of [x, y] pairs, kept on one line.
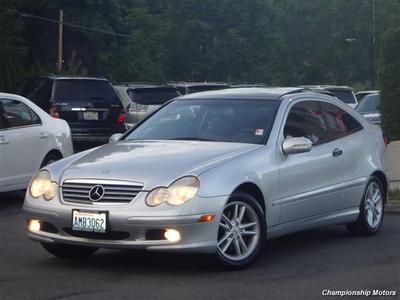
{"points": [[346, 96], [153, 96], [225, 120], [369, 103]]}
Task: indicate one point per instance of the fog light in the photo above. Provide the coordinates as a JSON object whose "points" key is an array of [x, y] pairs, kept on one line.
{"points": [[34, 225], [172, 235]]}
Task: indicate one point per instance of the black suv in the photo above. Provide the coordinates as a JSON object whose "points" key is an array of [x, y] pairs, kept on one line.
{"points": [[90, 105]]}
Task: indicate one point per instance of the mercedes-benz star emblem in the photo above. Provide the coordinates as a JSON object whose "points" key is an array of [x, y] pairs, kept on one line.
{"points": [[96, 193]]}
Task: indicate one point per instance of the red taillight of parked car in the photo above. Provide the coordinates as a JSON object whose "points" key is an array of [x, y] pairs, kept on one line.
{"points": [[121, 117], [53, 111], [385, 139]]}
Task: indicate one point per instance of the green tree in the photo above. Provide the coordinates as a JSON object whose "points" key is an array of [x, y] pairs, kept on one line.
{"points": [[389, 81]]}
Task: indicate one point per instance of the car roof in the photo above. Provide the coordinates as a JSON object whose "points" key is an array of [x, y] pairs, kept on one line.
{"points": [[187, 84], [327, 87], [254, 93], [368, 92], [67, 77]]}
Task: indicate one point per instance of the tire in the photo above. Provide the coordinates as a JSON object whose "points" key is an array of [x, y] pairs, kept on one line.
{"points": [[49, 159], [372, 209], [239, 246], [68, 251]]}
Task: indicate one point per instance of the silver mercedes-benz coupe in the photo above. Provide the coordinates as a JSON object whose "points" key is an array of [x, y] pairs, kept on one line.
{"points": [[215, 172]]}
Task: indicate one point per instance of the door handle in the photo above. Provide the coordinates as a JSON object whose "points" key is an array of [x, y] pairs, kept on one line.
{"points": [[3, 141], [43, 135], [337, 152]]}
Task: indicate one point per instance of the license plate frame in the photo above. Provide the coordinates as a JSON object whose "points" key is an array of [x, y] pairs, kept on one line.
{"points": [[94, 224], [91, 115]]}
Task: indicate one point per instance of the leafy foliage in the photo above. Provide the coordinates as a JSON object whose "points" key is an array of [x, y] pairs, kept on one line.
{"points": [[279, 42], [389, 80]]}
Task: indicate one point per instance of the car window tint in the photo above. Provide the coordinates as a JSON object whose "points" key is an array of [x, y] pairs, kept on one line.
{"points": [[35, 118], [339, 121], [153, 96], [346, 96], [369, 103], [306, 120], [15, 114], [85, 90]]}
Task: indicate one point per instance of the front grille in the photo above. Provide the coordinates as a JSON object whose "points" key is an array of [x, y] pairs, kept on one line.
{"points": [[78, 191]]}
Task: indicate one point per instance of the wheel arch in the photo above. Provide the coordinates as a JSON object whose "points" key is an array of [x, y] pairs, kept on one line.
{"points": [[383, 179], [253, 190]]}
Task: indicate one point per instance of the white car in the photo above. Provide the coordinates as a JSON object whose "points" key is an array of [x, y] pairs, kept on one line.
{"points": [[29, 139]]}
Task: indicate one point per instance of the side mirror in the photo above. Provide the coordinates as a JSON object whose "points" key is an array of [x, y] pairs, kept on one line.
{"points": [[293, 145], [115, 137]]}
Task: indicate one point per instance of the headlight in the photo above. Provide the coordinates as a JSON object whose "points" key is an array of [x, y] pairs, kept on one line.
{"points": [[177, 193], [41, 185]]}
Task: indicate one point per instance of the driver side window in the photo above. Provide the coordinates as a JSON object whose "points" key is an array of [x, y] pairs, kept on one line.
{"points": [[305, 119]]}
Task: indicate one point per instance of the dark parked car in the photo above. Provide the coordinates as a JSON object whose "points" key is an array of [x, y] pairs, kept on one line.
{"points": [[369, 108], [141, 99], [90, 105], [195, 87], [343, 93]]}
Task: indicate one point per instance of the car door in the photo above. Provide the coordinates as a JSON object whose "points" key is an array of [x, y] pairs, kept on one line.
{"points": [[21, 140], [309, 182], [347, 130]]}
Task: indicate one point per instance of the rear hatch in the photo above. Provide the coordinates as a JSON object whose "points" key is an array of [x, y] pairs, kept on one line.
{"points": [[347, 96], [146, 100], [90, 106]]}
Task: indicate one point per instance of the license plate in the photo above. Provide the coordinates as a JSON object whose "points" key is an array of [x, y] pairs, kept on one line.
{"points": [[89, 221], [90, 115]]}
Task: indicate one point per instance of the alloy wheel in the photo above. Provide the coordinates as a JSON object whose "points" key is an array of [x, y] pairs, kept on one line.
{"points": [[239, 231], [373, 205]]}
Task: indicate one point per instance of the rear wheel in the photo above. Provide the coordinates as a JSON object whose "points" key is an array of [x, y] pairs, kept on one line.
{"points": [[241, 233], [371, 210], [68, 251]]}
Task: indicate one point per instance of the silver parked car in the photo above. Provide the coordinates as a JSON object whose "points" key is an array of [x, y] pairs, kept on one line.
{"points": [[216, 172], [369, 108], [141, 99]]}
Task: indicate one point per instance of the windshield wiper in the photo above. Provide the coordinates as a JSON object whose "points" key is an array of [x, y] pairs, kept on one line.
{"points": [[191, 138]]}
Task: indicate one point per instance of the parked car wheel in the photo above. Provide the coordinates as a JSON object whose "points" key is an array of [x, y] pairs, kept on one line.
{"points": [[371, 210], [241, 233], [49, 159], [68, 251]]}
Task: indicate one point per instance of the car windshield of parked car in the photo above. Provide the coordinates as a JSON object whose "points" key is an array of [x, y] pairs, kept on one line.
{"points": [[225, 120], [369, 103], [153, 96]]}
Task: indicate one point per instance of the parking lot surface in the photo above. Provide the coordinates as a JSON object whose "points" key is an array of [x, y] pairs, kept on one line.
{"points": [[298, 266]]}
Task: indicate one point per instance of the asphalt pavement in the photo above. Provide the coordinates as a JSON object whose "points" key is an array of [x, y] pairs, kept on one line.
{"points": [[298, 266]]}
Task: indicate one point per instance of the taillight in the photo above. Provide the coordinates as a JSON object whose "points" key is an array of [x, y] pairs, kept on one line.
{"points": [[121, 117], [385, 139], [53, 111]]}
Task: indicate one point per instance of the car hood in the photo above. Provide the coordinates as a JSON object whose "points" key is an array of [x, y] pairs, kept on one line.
{"points": [[153, 163]]}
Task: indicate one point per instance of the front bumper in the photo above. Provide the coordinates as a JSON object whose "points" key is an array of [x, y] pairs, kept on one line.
{"points": [[195, 236]]}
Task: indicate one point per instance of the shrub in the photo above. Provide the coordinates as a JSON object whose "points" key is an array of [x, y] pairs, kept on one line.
{"points": [[389, 82]]}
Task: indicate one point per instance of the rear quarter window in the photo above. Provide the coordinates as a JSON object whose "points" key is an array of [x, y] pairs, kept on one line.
{"points": [[339, 121]]}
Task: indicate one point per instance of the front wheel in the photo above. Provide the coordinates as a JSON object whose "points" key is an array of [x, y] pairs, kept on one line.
{"points": [[241, 232], [68, 251], [371, 210]]}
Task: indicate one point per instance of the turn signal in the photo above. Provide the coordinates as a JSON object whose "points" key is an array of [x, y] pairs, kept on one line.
{"points": [[207, 218]]}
